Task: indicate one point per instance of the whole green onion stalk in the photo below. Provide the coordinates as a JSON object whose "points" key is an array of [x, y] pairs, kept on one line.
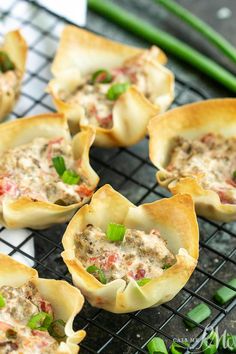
{"points": [[202, 27], [165, 41]]}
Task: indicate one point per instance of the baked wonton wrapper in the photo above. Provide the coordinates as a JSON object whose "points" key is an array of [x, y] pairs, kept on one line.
{"points": [[174, 218], [24, 212], [80, 53], [16, 48], [193, 121], [65, 299]]}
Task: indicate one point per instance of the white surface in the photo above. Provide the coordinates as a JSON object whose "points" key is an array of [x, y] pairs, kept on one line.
{"points": [[15, 238], [73, 10]]}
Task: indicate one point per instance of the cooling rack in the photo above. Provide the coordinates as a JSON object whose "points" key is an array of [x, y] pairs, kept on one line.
{"points": [[132, 174]]}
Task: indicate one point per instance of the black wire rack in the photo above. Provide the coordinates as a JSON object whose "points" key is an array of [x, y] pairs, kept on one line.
{"points": [[132, 174]]}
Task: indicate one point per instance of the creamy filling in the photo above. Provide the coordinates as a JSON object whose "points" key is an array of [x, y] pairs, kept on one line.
{"points": [[140, 254], [92, 97], [15, 336], [28, 171], [10, 81], [211, 160]]}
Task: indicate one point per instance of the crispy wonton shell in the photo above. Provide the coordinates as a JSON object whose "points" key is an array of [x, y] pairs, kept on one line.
{"points": [[24, 212], [174, 218], [192, 121], [15, 46], [65, 299], [81, 52]]}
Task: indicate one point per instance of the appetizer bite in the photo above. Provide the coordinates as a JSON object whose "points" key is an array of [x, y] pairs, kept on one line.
{"points": [[36, 315], [110, 86], [125, 258], [194, 147], [13, 52], [45, 176]]}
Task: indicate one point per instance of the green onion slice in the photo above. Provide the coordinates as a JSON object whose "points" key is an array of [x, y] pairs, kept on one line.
{"points": [[234, 175], [198, 314], [115, 232], [11, 334], [5, 62], [70, 177], [177, 348], [59, 164], [2, 301], [225, 294], [210, 343], [143, 281], [116, 90], [157, 345], [97, 271], [101, 76], [57, 329], [166, 266], [41, 321], [228, 343]]}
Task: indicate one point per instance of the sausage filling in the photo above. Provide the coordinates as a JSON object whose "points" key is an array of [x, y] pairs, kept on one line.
{"points": [[27, 170], [20, 304], [93, 96], [140, 254], [211, 160]]}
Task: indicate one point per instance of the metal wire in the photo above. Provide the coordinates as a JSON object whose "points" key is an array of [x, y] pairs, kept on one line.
{"points": [[131, 173]]}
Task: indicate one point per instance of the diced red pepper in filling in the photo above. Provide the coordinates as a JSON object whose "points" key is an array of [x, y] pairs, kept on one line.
{"points": [[83, 190], [223, 198], [140, 274], [104, 122], [231, 182]]}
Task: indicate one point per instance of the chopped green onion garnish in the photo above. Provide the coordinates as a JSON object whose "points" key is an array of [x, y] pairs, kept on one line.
{"points": [[198, 314], [157, 345], [210, 343], [115, 232], [41, 321], [166, 266], [234, 175], [59, 164], [116, 90], [5, 62], [101, 76], [142, 282], [2, 301], [177, 348], [57, 329], [225, 294], [97, 271], [70, 177], [11, 334], [228, 342]]}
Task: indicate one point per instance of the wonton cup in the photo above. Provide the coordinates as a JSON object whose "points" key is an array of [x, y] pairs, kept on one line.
{"points": [[81, 52], [193, 121], [16, 48], [174, 218], [24, 212], [65, 299]]}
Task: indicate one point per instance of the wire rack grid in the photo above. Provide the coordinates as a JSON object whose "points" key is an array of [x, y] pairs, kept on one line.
{"points": [[132, 174]]}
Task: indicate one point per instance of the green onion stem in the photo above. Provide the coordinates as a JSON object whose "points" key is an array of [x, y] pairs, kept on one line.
{"points": [[115, 232], [2, 301], [214, 37], [177, 348], [41, 321], [225, 294], [198, 314], [157, 345], [143, 281], [165, 41]]}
